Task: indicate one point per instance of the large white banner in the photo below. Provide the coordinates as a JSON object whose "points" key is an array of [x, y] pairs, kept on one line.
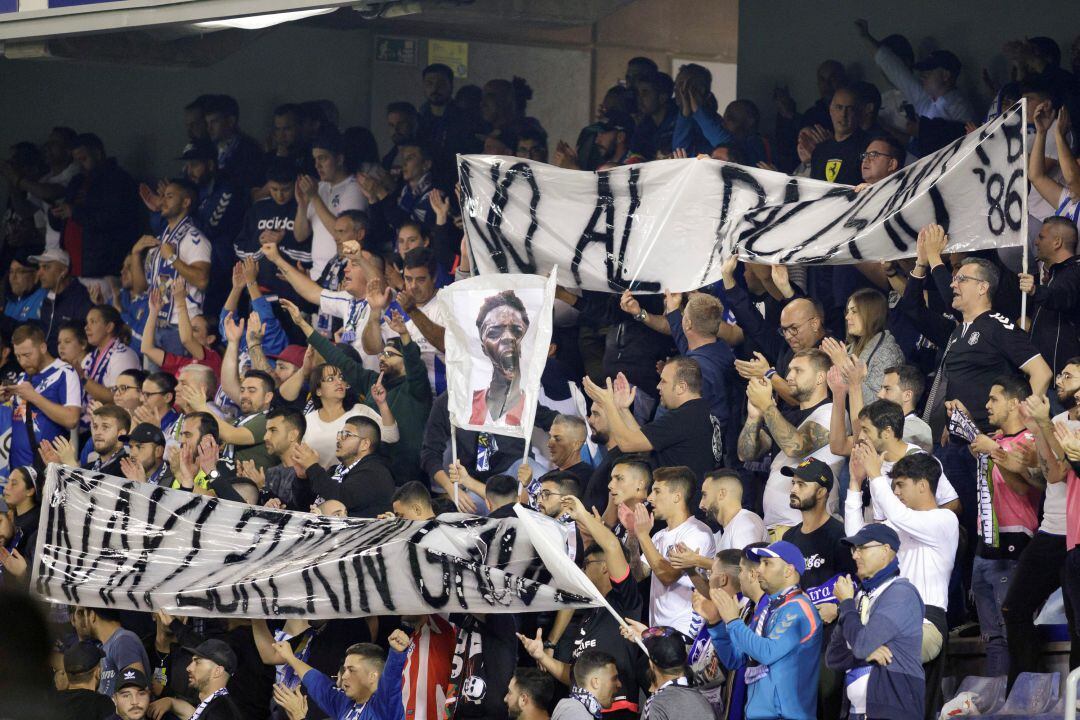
{"points": [[668, 224], [109, 542], [498, 328]]}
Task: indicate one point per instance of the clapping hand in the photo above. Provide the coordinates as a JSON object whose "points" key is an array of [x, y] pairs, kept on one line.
{"points": [[233, 330], [726, 605], [643, 521], [868, 459], [705, 607], [755, 368], [292, 701], [1069, 439], [132, 469], [396, 322], [760, 393], [623, 392], [208, 454], [626, 518]]}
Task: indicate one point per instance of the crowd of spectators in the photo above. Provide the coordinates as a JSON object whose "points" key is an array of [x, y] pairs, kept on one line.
{"points": [[794, 485]]}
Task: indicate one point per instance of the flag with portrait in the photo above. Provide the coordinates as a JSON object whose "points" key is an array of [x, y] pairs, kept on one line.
{"points": [[497, 335]]}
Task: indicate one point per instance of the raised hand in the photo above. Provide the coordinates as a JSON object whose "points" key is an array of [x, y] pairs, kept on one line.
{"points": [[132, 469], [251, 270], [837, 384], [150, 199], [396, 322], [379, 295], [67, 452], [294, 313], [179, 289], [1043, 116], [234, 330], [727, 607], [378, 392], [208, 454], [255, 329], [672, 301], [292, 701], [534, 647], [643, 520], [760, 393], [623, 392], [627, 518], [629, 304], [238, 276], [755, 368], [440, 203], [704, 607], [48, 452], [399, 641], [935, 241]]}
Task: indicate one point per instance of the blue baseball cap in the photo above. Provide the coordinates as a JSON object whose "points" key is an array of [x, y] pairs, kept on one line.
{"points": [[783, 550], [874, 532]]}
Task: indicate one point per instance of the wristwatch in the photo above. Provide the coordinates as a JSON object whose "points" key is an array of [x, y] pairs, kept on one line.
{"points": [[640, 317]]}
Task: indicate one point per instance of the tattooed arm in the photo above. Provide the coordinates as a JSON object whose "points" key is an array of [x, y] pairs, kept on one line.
{"points": [[753, 441], [639, 570], [796, 442]]}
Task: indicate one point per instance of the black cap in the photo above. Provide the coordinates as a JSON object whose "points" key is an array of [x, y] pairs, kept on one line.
{"points": [[874, 532], [25, 256], [199, 150], [82, 657], [616, 120], [131, 678], [812, 470], [666, 647], [144, 432], [940, 59], [215, 651]]}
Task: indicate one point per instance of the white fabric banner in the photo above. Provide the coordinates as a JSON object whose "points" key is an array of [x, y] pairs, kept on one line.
{"points": [[498, 328], [109, 542], [668, 224]]}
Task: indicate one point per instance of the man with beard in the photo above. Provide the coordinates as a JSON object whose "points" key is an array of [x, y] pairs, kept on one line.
{"points": [[107, 424], [443, 126], [555, 487], [195, 463], [212, 663], [403, 377], [530, 694], [502, 323], [361, 480], [145, 459], [818, 538], [132, 696], [285, 428], [244, 436], [595, 493], [790, 435], [613, 140], [631, 480], [181, 251]]}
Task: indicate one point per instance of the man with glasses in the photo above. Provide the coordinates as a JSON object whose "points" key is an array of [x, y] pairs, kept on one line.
{"points": [[556, 486], [360, 480], [983, 346], [877, 644], [883, 156]]}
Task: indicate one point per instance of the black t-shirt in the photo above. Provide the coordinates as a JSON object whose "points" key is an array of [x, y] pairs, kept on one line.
{"points": [[83, 705], [223, 708], [825, 555], [989, 347], [252, 686], [684, 436], [839, 162], [484, 660], [600, 631], [264, 215]]}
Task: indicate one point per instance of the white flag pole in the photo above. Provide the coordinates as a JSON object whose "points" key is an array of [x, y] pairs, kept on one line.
{"points": [[1024, 211], [453, 460]]}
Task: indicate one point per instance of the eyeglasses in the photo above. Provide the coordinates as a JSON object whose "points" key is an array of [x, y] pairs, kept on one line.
{"points": [[857, 549], [545, 494], [874, 155], [792, 330], [1065, 376], [151, 394], [342, 434], [958, 279], [387, 353], [334, 378], [123, 388]]}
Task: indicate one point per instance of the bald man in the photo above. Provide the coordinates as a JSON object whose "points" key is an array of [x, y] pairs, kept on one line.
{"points": [[721, 499], [565, 440], [802, 327]]}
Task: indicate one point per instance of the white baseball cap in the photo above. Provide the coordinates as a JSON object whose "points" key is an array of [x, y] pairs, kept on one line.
{"points": [[52, 255]]}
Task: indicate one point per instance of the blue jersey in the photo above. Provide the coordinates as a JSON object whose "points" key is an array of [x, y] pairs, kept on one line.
{"points": [[57, 383], [27, 307]]}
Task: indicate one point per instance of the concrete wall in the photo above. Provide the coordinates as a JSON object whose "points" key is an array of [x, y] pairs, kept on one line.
{"points": [[783, 41], [137, 109]]}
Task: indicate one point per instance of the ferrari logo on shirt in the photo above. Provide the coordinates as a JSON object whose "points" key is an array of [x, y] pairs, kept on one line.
{"points": [[832, 169]]}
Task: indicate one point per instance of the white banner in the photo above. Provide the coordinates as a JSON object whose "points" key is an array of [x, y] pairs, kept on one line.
{"points": [[668, 224], [498, 328], [109, 542]]}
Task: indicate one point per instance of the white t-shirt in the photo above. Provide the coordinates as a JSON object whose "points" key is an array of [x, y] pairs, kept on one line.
{"points": [[435, 310], [928, 539], [52, 237], [1053, 521], [118, 359], [345, 195], [191, 247], [945, 493], [671, 604], [353, 313], [745, 528], [321, 436], [775, 501]]}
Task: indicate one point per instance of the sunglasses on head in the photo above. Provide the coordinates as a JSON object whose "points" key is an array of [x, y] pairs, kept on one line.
{"points": [[658, 632]]}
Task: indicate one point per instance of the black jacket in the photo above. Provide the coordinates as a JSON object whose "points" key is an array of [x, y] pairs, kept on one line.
{"points": [[366, 491], [105, 203], [1055, 314]]}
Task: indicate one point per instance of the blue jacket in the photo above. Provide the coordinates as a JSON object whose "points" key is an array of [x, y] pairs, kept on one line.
{"points": [[385, 704], [700, 133], [717, 363], [789, 650], [896, 690]]}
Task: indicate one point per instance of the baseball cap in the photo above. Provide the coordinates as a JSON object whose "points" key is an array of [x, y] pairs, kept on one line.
{"points": [[144, 432], [132, 678], [783, 550], [940, 59], [666, 647], [199, 150], [874, 532], [82, 657], [52, 255], [616, 120], [215, 651], [293, 354], [812, 470]]}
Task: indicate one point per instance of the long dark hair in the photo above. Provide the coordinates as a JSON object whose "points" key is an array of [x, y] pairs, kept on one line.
{"points": [[111, 316], [317, 374]]}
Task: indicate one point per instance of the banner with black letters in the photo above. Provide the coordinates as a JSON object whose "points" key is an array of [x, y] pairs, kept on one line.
{"points": [[668, 224], [109, 542]]}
